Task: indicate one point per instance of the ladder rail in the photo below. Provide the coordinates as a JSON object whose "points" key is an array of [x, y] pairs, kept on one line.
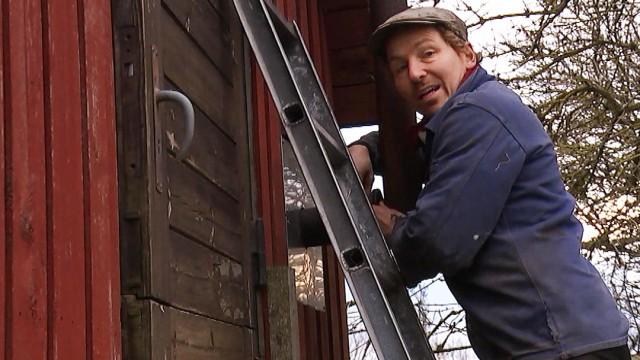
{"points": [[370, 269], [377, 254]]}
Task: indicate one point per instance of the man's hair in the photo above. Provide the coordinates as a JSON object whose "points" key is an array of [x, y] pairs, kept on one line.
{"points": [[451, 38]]}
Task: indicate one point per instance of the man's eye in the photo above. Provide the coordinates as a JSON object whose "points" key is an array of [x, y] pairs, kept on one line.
{"points": [[428, 53]]}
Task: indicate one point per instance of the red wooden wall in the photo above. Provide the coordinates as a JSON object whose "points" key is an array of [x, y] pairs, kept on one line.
{"points": [[59, 294], [323, 334]]}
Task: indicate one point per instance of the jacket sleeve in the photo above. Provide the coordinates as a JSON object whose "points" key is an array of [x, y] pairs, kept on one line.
{"points": [[475, 162], [372, 141]]}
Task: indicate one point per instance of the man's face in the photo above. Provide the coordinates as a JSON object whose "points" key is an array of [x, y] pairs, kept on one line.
{"points": [[426, 70]]}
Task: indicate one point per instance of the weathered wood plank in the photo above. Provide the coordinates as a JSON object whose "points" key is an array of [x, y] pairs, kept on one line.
{"points": [[284, 330], [26, 212], [348, 28], [136, 331], [204, 211], [101, 215], [351, 66], [202, 281], [355, 105], [212, 153], [209, 30], [187, 67], [65, 174], [181, 335]]}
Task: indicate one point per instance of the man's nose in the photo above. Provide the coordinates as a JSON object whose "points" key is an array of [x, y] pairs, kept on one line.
{"points": [[416, 70]]}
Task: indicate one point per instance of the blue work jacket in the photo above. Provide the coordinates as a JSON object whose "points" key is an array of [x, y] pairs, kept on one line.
{"points": [[495, 218]]}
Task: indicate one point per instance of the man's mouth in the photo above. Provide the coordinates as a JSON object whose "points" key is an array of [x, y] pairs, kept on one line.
{"points": [[426, 92]]}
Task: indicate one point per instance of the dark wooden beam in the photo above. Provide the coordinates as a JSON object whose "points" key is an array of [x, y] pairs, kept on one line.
{"points": [[403, 170]]}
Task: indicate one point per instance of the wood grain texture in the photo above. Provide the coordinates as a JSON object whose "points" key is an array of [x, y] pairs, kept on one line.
{"points": [[181, 335], [356, 104], [3, 199], [351, 66], [204, 282], [212, 154], [65, 198], [340, 5], [190, 70], [348, 28], [101, 202], [209, 30], [204, 211], [26, 211]]}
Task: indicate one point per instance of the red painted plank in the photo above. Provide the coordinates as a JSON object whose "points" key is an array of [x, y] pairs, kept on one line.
{"points": [[301, 334], [311, 331], [101, 209], [324, 48], [291, 10], [67, 337], [261, 155], [3, 243], [325, 337], [332, 301], [26, 213], [348, 28], [303, 20], [279, 244]]}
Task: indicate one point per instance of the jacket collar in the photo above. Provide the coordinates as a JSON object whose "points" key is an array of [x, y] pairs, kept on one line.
{"points": [[477, 78]]}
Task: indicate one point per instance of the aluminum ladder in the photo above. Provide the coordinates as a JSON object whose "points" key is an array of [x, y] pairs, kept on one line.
{"points": [[370, 269]]}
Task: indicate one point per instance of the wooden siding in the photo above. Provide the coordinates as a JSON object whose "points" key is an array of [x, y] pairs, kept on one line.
{"points": [[186, 223], [349, 25], [59, 296]]}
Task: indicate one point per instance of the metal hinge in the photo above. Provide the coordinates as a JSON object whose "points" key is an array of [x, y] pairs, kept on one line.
{"points": [[258, 256]]}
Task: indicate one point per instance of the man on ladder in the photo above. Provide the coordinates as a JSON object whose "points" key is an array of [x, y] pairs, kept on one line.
{"points": [[494, 216]]}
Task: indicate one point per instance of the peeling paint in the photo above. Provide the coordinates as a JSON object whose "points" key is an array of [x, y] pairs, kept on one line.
{"points": [[237, 270], [213, 228], [225, 268], [172, 140], [238, 314]]}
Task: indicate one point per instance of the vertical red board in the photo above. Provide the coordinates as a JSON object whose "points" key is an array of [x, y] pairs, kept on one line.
{"points": [[325, 337], [303, 20], [26, 214], [101, 208], [280, 254], [311, 331], [67, 337], [262, 157], [301, 333], [3, 243]]}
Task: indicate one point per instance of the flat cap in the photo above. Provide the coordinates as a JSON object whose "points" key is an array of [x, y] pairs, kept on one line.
{"points": [[417, 16]]}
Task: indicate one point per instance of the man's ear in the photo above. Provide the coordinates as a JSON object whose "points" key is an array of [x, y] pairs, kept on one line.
{"points": [[470, 56]]}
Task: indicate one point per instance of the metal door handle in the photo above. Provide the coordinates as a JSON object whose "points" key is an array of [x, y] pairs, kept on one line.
{"points": [[189, 120]]}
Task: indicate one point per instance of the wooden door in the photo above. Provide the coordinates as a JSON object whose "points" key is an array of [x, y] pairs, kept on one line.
{"points": [[186, 226]]}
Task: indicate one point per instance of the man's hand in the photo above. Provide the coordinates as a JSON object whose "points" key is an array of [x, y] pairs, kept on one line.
{"points": [[362, 161], [386, 217]]}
